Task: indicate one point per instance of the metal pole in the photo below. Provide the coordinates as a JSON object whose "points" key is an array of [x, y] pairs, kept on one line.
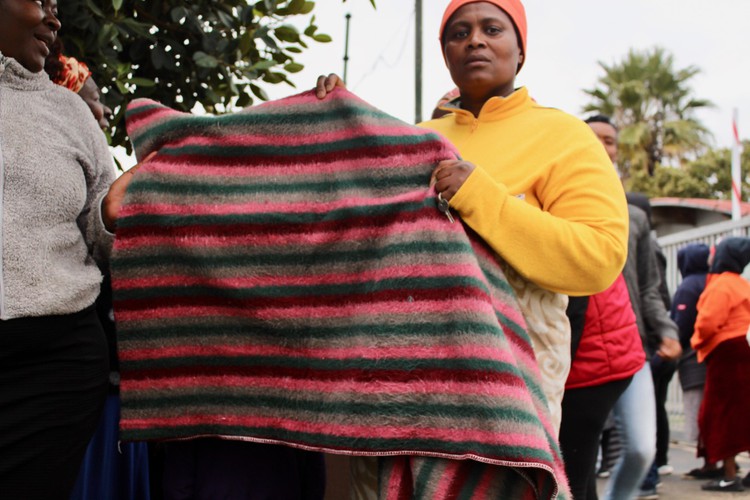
{"points": [[736, 169], [346, 46], [418, 62]]}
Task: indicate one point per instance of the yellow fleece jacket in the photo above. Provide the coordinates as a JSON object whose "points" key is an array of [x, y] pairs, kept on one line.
{"points": [[544, 195]]}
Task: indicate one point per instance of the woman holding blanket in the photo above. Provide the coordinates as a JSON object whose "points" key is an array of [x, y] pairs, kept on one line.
{"points": [[533, 182]]}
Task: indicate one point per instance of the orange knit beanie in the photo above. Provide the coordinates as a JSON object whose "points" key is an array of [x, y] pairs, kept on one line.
{"points": [[514, 9]]}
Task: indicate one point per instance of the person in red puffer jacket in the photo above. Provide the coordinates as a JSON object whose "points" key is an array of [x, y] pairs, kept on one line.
{"points": [[606, 352]]}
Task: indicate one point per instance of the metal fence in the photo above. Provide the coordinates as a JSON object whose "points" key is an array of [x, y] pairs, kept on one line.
{"points": [[670, 245]]}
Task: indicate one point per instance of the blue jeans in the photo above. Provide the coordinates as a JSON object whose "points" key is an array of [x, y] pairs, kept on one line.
{"points": [[635, 413]]}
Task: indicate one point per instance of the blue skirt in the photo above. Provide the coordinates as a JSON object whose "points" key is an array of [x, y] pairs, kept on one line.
{"points": [[111, 471]]}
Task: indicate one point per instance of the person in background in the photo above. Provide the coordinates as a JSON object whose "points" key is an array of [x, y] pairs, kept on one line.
{"points": [[58, 212], [606, 351], [662, 370], [720, 340], [59, 208], [635, 411], [75, 76], [693, 264]]}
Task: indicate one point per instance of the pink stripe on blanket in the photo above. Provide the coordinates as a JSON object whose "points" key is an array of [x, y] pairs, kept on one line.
{"points": [[447, 478], [467, 306], [515, 392], [168, 165], [140, 117], [411, 228], [477, 351], [489, 437]]}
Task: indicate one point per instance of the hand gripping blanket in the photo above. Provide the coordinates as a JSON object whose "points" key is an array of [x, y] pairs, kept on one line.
{"points": [[283, 275]]}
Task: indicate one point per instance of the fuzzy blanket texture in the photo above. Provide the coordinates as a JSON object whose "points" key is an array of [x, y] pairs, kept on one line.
{"points": [[283, 275]]}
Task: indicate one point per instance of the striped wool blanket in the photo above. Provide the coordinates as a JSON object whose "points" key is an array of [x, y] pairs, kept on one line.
{"points": [[283, 275]]}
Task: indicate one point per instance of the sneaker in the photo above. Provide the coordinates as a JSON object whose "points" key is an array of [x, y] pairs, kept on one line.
{"points": [[701, 473], [648, 494], [665, 470], [746, 481], [603, 474], [724, 485]]}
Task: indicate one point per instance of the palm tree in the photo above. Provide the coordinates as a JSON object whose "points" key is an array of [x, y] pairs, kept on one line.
{"points": [[651, 103]]}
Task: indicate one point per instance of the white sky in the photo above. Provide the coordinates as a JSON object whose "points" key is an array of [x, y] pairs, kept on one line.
{"points": [[565, 42]]}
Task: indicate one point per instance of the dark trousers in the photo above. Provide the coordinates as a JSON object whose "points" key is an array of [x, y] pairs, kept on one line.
{"points": [[662, 372], [53, 382], [584, 412], [208, 468]]}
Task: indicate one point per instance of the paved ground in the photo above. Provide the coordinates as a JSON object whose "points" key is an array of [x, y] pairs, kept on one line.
{"points": [[674, 487]]}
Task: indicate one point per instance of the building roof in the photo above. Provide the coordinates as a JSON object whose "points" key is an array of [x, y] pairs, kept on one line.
{"points": [[721, 206]]}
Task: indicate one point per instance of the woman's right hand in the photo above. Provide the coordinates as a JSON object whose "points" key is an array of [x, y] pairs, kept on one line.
{"points": [[326, 84], [116, 195]]}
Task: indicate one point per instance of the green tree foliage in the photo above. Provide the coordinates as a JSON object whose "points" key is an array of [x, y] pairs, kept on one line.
{"points": [[650, 101], [710, 177], [208, 52]]}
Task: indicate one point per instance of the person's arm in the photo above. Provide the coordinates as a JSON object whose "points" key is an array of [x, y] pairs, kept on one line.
{"points": [[574, 243], [99, 176], [116, 195]]}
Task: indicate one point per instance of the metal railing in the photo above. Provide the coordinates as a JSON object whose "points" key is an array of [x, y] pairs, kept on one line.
{"points": [[671, 244]]}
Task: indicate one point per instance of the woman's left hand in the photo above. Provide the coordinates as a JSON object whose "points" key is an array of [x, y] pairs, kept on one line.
{"points": [[116, 194], [670, 349], [449, 176]]}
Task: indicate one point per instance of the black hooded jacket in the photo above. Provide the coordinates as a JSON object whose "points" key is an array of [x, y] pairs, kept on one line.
{"points": [[692, 261], [732, 255]]}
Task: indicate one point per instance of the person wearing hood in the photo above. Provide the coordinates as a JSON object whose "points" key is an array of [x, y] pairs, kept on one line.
{"points": [[719, 339], [692, 261]]}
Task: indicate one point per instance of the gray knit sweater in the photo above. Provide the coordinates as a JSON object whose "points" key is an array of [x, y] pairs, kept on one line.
{"points": [[55, 168]]}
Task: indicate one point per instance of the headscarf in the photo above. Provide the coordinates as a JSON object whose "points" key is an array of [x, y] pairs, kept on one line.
{"points": [[448, 97], [732, 255], [73, 74], [514, 9]]}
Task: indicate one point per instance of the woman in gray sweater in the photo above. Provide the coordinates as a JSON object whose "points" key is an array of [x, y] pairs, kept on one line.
{"points": [[55, 171]]}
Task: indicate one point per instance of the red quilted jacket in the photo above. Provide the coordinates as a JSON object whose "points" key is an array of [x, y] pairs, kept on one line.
{"points": [[610, 347]]}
